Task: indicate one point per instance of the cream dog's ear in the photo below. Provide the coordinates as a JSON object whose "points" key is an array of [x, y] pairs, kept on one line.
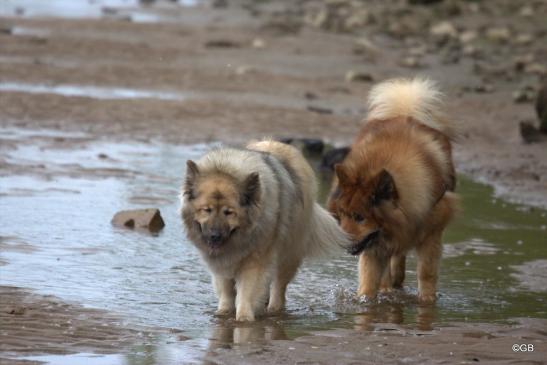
{"points": [[192, 172], [251, 189]]}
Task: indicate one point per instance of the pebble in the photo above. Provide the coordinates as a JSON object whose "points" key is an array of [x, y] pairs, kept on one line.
{"points": [[222, 43], [243, 70], [443, 29], [526, 11], [524, 95], [410, 62], [319, 110], [258, 43], [498, 34], [468, 36], [358, 76], [523, 39]]}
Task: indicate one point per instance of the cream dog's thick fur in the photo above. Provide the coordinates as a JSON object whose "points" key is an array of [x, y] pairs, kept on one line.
{"points": [[252, 215]]}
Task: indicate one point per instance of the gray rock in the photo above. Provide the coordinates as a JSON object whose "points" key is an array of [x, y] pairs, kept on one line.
{"points": [[334, 156], [139, 218], [529, 132], [319, 109], [525, 94], [541, 108]]}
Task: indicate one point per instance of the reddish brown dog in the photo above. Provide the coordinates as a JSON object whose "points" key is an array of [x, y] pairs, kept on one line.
{"points": [[394, 192]]}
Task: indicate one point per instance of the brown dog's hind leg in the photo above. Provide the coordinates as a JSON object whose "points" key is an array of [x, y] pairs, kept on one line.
{"points": [[428, 255], [371, 268], [398, 267]]}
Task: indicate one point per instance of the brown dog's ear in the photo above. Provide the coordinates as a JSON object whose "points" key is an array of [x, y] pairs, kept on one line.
{"points": [[251, 189], [341, 173], [192, 171], [385, 188]]}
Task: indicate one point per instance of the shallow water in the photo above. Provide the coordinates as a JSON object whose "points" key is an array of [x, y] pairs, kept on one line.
{"points": [[72, 8], [62, 205], [92, 92]]}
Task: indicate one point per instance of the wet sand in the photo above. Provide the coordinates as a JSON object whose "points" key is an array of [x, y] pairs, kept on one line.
{"points": [[391, 344], [33, 324], [231, 74]]}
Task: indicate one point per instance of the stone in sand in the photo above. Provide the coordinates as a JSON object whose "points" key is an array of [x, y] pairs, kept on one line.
{"points": [[541, 108], [139, 218]]}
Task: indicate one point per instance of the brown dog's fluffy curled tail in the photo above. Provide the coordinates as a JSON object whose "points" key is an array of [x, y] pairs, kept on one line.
{"points": [[418, 98]]}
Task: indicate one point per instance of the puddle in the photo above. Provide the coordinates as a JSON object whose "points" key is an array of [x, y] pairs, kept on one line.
{"points": [[110, 93], [29, 31], [73, 8], [532, 275], [159, 281], [93, 92], [88, 359]]}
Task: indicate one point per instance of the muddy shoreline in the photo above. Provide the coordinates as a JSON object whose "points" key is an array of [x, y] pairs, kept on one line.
{"points": [[230, 74], [33, 324], [230, 92]]}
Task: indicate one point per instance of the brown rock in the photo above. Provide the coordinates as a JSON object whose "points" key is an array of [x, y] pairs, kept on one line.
{"points": [[139, 218]]}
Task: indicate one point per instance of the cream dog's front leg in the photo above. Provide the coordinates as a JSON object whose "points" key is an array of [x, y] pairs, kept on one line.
{"points": [[225, 289], [251, 286]]}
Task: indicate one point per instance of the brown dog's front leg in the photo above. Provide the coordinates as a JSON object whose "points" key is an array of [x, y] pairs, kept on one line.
{"points": [[398, 267], [428, 255], [371, 268]]}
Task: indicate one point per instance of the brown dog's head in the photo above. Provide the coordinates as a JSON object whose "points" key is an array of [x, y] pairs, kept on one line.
{"points": [[217, 206], [362, 203]]}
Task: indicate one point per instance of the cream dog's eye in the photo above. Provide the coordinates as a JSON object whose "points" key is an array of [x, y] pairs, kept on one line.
{"points": [[228, 212], [206, 210]]}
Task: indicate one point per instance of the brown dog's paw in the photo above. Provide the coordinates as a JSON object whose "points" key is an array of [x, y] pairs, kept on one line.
{"points": [[427, 298]]}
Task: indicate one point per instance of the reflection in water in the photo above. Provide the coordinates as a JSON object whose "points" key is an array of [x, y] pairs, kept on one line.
{"points": [[229, 332], [394, 313]]}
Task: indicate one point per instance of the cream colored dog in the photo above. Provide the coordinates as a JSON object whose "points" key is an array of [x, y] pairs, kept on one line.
{"points": [[252, 215]]}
